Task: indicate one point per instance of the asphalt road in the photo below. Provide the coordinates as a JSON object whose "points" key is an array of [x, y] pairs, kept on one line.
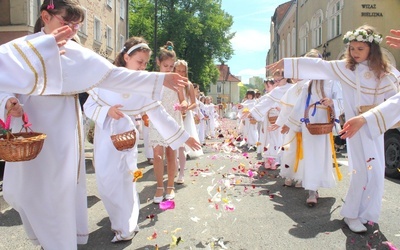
{"points": [[252, 213]]}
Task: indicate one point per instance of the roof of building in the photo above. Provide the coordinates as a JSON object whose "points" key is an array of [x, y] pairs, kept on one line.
{"points": [[280, 11], [225, 74]]}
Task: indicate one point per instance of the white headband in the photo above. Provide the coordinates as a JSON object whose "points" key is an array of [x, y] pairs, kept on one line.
{"points": [[139, 45]]}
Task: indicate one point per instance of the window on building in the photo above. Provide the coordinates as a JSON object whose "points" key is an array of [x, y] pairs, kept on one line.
{"points": [[109, 36], [97, 29], [316, 26], [334, 18], [288, 47], [303, 36], [122, 9], [121, 42], [83, 28], [219, 87], [109, 3]]}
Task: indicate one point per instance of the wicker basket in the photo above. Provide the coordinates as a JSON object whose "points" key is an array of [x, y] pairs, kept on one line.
{"points": [[320, 128], [126, 140], [271, 115], [23, 146]]}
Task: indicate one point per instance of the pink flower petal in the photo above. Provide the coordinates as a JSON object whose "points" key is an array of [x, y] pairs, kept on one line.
{"points": [[169, 204]]}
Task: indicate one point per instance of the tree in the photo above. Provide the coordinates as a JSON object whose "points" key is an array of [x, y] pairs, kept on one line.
{"points": [[199, 29]]}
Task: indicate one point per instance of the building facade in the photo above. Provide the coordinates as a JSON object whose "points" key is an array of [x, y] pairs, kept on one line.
{"points": [[315, 24], [104, 30], [227, 87]]}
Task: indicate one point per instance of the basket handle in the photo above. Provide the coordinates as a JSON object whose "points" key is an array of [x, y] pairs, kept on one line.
{"points": [[125, 117], [331, 114]]}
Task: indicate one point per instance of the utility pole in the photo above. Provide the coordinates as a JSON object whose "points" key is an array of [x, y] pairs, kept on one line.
{"points": [[155, 35]]}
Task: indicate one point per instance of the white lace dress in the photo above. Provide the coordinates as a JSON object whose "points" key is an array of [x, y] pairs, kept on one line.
{"points": [[168, 100]]}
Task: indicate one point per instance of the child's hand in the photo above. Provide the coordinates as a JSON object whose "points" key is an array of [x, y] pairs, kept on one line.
{"points": [[193, 144], [285, 129], [273, 127], [115, 113], [326, 101], [394, 41], [275, 66], [14, 108], [62, 35], [351, 126]]}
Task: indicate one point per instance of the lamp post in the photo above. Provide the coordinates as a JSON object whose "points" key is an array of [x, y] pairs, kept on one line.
{"points": [[155, 35]]}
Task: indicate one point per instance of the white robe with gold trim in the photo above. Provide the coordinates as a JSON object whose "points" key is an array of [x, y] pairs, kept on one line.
{"points": [[289, 145], [273, 140], [49, 192], [114, 168], [317, 149], [366, 156]]}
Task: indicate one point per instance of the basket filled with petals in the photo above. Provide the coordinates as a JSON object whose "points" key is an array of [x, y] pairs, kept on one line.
{"points": [[22, 146]]}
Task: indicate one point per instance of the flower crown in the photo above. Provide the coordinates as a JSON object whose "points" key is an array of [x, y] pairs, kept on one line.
{"points": [[362, 36]]}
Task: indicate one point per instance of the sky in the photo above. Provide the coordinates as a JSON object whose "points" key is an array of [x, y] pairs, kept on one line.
{"points": [[251, 22]]}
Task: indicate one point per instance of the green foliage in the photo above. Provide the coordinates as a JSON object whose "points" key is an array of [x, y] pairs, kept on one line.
{"points": [[242, 92], [199, 29]]}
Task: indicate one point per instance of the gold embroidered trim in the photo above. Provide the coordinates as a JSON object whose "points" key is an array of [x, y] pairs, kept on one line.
{"points": [[37, 53], [80, 137], [91, 86], [383, 121], [365, 90], [177, 135], [286, 104], [29, 65]]}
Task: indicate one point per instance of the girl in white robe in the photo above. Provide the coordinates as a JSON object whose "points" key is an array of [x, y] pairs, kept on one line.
{"points": [[198, 114], [210, 109], [273, 139], [49, 192], [203, 119], [317, 149], [250, 130], [291, 164], [114, 168], [366, 80], [181, 68]]}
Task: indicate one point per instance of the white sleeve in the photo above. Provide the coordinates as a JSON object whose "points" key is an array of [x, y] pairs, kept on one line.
{"points": [[28, 66], [384, 116], [172, 133]]}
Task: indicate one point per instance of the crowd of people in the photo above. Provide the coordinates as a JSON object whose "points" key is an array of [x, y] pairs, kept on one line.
{"points": [[291, 127]]}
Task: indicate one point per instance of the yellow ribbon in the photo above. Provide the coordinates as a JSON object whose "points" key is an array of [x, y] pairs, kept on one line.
{"points": [[299, 151], [338, 173]]}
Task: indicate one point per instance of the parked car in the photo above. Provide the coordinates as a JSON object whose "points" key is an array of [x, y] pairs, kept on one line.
{"points": [[392, 153]]}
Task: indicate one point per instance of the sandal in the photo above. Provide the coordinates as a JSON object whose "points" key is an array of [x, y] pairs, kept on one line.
{"points": [[159, 199], [171, 195], [312, 198]]}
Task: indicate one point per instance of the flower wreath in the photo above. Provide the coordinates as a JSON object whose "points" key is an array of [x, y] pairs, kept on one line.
{"points": [[362, 36]]}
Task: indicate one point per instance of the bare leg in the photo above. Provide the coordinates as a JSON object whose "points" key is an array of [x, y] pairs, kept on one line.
{"points": [[171, 168], [182, 163], [158, 167]]}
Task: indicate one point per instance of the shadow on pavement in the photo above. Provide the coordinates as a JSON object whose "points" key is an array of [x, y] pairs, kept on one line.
{"points": [[372, 239]]}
